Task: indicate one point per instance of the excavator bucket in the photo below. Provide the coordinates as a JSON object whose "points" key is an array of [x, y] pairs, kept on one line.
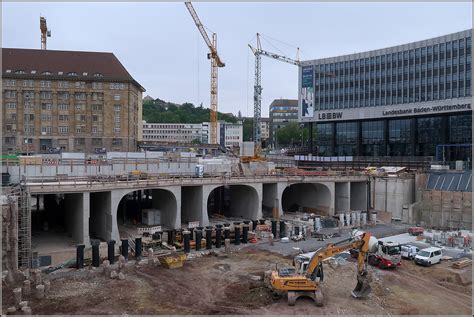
{"points": [[362, 289]]}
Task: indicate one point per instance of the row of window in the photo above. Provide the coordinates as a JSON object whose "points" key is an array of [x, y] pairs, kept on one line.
{"points": [[64, 84], [431, 73], [77, 141], [62, 129], [61, 106], [425, 130], [30, 94]]}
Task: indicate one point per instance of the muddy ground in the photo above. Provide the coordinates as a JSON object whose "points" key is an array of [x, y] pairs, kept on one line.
{"points": [[218, 284]]}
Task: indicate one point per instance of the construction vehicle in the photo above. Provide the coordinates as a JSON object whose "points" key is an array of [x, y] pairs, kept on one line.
{"points": [[385, 254], [305, 277]]}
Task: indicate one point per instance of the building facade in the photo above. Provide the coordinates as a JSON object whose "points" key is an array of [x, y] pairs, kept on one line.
{"points": [[407, 100], [172, 132], [281, 112], [73, 101], [229, 134], [265, 130]]}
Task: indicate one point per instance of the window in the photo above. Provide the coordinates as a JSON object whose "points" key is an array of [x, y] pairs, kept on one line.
{"points": [[79, 141], [20, 72], [460, 129], [63, 117], [97, 142], [116, 107], [11, 105], [46, 129], [63, 106], [46, 73], [117, 129], [72, 74], [96, 85], [10, 140], [46, 83], [63, 84], [46, 117], [63, 129], [116, 97], [29, 129], [80, 84], [10, 82], [94, 129], [28, 106], [10, 93], [96, 107], [116, 141], [117, 119], [80, 96], [28, 117], [46, 106], [80, 107], [79, 129], [63, 95], [46, 95], [27, 83], [81, 117]]}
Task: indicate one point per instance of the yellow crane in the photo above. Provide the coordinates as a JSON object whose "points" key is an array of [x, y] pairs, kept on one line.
{"points": [[215, 63], [44, 32]]}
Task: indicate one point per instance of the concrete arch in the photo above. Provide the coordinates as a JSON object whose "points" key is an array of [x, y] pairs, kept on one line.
{"points": [[245, 201], [319, 196], [166, 199]]}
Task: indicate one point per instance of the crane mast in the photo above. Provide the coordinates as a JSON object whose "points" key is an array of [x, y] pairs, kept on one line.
{"points": [[257, 98], [216, 62], [44, 32]]}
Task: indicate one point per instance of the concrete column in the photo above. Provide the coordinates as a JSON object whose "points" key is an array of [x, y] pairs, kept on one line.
{"points": [[103, 214], [192, 204], [168, 200], [77, 211]]}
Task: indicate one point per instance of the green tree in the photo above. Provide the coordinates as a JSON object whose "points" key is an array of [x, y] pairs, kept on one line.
{"points": [[291, 134]]}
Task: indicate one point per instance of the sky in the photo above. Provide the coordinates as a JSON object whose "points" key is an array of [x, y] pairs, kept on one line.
{"points": [[162, 49]]}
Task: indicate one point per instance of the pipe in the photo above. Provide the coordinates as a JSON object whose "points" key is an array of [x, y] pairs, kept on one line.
{"points": [[95, 253], [138, 248], [187, 243], [111, 251], [80, 256]]}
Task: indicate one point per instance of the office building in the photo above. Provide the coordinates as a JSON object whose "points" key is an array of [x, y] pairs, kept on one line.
{"points": [[172, 132], [407, 100], [281, 111]]}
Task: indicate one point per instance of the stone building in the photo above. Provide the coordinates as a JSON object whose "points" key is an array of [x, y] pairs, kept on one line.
{"points": [[73, 101]]}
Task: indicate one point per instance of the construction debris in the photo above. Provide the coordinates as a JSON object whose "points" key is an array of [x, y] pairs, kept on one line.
{"points": [[461, 263]]}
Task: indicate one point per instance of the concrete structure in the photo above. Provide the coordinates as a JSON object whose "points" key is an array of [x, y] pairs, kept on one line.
{"points": [[393, 195], [76, 101], [93, 207], [265, 130], [406, 100], [281, 111], [172, 132]]}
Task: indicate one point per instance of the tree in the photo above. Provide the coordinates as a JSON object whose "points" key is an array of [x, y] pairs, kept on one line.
{"points": [[248, 129], [196, 141], [291, 134], [239, 115]]}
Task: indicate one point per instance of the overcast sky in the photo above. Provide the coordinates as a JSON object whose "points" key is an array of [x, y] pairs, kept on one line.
{"points": [[162, 49]]}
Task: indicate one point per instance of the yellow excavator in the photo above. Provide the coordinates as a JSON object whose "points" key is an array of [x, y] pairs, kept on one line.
{"points": [[304, 278]]}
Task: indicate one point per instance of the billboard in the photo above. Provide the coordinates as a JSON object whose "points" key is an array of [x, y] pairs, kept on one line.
{"points": [[307, 91]]}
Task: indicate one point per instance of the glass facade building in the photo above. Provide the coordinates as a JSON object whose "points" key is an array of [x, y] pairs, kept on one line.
{"points": [[405, 100]]}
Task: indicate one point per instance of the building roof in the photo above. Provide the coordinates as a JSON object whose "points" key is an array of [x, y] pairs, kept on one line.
{"points": [[34, 63], [285, 102]]}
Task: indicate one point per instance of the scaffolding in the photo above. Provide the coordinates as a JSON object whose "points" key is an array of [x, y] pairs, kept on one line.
{"points": [[24, 227]]}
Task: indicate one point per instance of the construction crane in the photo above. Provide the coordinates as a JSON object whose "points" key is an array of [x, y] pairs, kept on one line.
{"points": [[44, 32], [215, 63], [257, 98]]}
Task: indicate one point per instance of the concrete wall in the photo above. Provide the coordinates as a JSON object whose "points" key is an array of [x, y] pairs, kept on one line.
{"points": [[77, 216], [270, 194], [392, 193], [191, 204], [443, 209], [168, 201], [317, 196], [358, 194], [103, 221], [342, 194], [245, 202]]}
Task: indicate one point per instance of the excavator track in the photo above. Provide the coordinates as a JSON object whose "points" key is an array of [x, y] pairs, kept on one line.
{"points": [[317, 296]]}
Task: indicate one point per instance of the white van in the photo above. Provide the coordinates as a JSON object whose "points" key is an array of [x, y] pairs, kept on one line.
{"points": [[409, 251], [428, 256]]}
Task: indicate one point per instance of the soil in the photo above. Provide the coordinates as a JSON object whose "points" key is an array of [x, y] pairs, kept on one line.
{"points": [[233, 284]]}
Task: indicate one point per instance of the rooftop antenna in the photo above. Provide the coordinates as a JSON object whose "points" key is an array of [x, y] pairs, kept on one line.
{"points": [[44, 32]]}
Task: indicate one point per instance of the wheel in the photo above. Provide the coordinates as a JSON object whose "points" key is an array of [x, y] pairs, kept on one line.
{"points": [[291, 298], [318, 298], [429, 263]]}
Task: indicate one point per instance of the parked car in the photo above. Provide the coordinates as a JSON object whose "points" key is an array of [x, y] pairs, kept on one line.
{"points": [[409, 251], [428, 256]]}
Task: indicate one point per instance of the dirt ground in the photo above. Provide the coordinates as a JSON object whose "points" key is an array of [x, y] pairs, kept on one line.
{"points": [[218, 284]]}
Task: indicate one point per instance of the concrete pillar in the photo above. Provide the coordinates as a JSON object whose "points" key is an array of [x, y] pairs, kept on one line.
{"points": [[168, 200], [138, 248], [218, 236], [192, 204], [111, 251], [77, 213], [80, 256], [209, 237], [282, 229], [95, 253], [198, 233], [245, 232], [103, 214], [186, 241], [237, 233], [125, 248]]}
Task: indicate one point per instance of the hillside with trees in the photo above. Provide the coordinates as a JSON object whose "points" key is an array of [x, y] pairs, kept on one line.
{"points": [[160, 111]]}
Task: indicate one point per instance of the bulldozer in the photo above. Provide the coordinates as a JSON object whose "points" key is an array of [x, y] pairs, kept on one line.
{"points": [[304, 277]]}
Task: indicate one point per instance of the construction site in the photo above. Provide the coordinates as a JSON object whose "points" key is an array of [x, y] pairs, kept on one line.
{"points": [[209, 229]]}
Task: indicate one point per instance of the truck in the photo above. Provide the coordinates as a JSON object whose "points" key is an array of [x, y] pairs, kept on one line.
{"points": [[383, 255]]}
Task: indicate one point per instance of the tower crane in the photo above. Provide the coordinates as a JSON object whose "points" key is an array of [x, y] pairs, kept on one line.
{"points": [[257, 97], [44, 32], [215, 63]]}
